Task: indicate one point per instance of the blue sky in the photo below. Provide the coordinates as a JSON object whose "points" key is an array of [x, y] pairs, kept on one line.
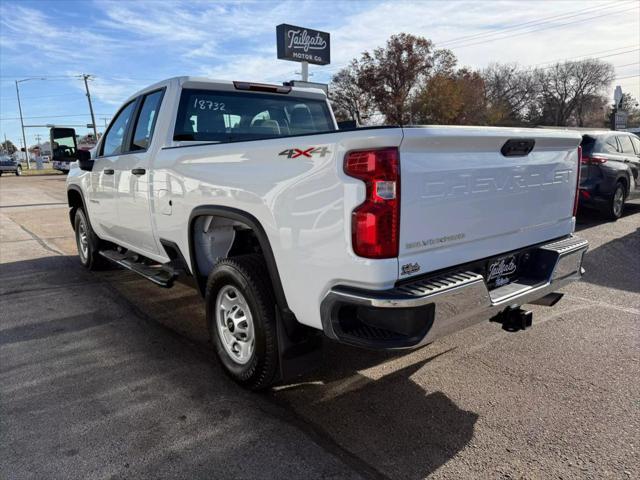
{"points": [[127, 45]]}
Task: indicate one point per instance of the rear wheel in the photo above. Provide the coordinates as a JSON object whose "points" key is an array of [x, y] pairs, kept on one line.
{"points": [[616, 203], [18, 171], [242, 321], [87, 242]]}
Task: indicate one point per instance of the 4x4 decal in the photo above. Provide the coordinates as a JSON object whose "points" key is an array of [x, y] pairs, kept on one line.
{"points": [[307, 152]]}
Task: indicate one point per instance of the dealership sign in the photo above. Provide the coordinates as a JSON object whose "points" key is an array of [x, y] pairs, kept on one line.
{"points": [[300, 44]]}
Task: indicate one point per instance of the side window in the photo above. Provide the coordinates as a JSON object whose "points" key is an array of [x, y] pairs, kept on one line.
{"points": [[114, 138], [146, 121], [636, 144], [610, 145], [625, 143]]}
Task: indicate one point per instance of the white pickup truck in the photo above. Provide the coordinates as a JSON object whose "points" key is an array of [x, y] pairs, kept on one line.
{"points": [[293, 230]]}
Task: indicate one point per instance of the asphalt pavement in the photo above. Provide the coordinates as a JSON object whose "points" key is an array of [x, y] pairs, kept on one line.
{"points": [[103, 375]]}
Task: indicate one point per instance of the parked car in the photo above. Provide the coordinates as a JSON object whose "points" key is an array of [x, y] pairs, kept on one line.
{"points": [[291, 229], [609, 171], [9, 165]]}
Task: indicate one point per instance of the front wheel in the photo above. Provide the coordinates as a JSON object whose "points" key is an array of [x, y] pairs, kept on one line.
{"points": [[242, 321], [616, 203], [87, 242], [18, 171]]}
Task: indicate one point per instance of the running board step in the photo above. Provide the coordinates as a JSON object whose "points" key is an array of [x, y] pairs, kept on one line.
{"points": [[160, 274]]}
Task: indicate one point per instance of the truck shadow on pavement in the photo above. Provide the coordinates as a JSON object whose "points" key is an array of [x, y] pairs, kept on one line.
{"points": [[88, 360], [391, 424]]}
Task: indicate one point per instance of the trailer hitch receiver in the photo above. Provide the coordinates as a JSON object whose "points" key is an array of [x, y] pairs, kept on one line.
{"points": [[514, 319]]}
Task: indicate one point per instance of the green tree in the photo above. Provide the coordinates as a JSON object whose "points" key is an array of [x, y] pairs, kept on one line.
{"points": [[8, 147]]}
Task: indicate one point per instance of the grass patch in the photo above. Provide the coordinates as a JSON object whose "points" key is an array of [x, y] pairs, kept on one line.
{"points": [[47, 170]]}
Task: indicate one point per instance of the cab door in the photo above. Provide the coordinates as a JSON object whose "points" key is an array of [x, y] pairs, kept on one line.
{"points": [[102, 192], [133, 178]]}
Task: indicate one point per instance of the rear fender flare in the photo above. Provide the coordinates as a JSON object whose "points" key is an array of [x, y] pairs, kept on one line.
{"points": [[254, 224]]}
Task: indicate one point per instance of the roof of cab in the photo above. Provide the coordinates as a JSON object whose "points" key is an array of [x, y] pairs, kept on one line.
{"points": [[203, 82]]}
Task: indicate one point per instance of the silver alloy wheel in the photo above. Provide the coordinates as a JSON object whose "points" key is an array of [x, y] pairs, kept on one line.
{"points": [[235, 324], [618, 201], [82, 239]]}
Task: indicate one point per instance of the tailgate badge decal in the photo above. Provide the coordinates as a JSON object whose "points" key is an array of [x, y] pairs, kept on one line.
{"points": [[502, 267]]}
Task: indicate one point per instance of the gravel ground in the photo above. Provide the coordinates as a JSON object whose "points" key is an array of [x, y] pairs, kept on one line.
{"points": [[106, 376]]}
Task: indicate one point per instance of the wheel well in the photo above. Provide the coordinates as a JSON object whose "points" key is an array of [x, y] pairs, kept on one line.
{"points": [[74, 199], [625, 184], [215, 237]]}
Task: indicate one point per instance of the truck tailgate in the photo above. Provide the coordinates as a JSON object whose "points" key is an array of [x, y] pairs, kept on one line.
{"points": [[463, 200]]}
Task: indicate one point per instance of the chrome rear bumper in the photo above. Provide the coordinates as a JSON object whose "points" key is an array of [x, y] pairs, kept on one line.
{"points": [[416, 313]]}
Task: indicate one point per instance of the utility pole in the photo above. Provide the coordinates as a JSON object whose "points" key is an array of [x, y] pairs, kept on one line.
{"points": [[85, 77], [24, 137]]}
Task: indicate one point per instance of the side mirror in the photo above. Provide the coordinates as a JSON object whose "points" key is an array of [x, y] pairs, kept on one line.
{"points": [[85, 162], [63, 144]]}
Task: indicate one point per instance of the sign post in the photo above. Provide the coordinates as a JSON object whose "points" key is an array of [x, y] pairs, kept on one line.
{"points": [[304, 45]]}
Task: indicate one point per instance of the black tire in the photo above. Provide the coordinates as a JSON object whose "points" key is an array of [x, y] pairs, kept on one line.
{"points": [[248, 275], [90, 258], [18, 171], [616, 202]]}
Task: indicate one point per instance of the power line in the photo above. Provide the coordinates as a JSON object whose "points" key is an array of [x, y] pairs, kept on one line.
{"points": [[53, 116], [543, 28], [589, 54], [528, 24], [626, 65], [588, 58], [628, 76]]}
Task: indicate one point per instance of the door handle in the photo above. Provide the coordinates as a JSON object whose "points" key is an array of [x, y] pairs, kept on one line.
{"points": [[108, 171], [138, 171]]}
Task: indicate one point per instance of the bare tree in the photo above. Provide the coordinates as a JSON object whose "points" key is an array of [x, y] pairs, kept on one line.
{"points": [[565, 86], [591, 112], [349, 99], [510, 91]]}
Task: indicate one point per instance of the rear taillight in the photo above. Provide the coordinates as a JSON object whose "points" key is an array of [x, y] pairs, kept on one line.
{"points": [[577, 193], [593, 160], [375, 224]]}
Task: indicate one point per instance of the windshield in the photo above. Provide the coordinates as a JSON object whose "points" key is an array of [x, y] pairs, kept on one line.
{"points": [[207, 115]]}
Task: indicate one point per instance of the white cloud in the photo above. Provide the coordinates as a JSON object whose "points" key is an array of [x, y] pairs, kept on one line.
{"points": [[128, 45]]}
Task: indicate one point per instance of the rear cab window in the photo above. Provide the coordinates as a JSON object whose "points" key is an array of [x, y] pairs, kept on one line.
{"points": [[146, 121], [228, 116]]}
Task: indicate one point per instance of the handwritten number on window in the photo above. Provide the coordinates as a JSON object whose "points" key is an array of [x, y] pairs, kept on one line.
{"points": [[208, 105]]}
